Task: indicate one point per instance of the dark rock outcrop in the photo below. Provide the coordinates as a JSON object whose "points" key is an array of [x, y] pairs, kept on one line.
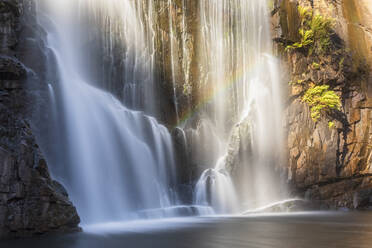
{"points": [[31, 202]]}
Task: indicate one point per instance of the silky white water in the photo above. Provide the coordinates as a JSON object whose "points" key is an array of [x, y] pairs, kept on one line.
{"points": [[241, 71], [215, 188], [116, 162]]}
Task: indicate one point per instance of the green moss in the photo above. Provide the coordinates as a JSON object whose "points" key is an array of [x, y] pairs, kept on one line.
{"points": [[331, 124], [315, 66], [321, 100], [298, 82], [315, 32], [341, 63]]}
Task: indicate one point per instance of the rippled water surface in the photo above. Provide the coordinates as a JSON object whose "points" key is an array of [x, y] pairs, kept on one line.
{"points": [[277, 230]]}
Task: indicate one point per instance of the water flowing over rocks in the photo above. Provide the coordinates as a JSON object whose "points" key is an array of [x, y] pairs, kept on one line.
{"points": [[240, 145], [31, 202], [167, 67]]}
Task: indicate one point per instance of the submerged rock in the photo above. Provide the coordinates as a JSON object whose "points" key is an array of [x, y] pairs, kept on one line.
{"points": [[176, 211], [292, 205]]}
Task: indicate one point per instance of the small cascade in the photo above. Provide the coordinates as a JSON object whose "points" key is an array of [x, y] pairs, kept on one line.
{"points": [[205, 143], [51, 94], [119, 36], [215, 188], [243, 76]]}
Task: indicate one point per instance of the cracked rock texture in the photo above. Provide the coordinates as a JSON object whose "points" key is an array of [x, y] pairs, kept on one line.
{"points": [[31, 202], [330, 165]]}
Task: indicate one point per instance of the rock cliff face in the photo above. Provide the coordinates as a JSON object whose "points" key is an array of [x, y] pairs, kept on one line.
{"points": [[330, 163], [31, 202]]}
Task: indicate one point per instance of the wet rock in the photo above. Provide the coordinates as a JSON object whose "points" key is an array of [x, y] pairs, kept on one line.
{"points": [[181, 155], [240, 144], [363, 199], [10, 69], [292, 205], [30, 201]]}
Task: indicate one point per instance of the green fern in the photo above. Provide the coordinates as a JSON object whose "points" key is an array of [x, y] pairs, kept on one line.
{"points": [[315, 32], [305, 14], [306, 39], [321, 100]]}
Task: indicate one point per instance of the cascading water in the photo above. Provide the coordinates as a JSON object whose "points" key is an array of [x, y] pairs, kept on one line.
{"points": [[216, 188], [122, 33], [117, 162], [243, 76]]}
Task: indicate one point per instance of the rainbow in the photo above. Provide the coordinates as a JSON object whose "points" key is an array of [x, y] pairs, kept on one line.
{"points": [[214, 92]]}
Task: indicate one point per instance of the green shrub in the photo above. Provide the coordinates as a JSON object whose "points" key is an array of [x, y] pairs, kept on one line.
{"points": [[322, 29], [315, 32], [331, 124], [306, 40], [321, 100]]}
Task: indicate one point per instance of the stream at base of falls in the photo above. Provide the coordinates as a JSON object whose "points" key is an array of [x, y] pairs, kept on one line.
{"points": [[307, 229]]}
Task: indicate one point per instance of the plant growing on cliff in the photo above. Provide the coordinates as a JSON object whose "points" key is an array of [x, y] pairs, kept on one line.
{"points": [[321, 100], [331, 124], [315, 66], [306, 40], [298, 82], [315, 32]]}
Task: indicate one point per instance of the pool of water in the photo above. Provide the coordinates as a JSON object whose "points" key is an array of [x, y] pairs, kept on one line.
{"points": [[320, 229]]}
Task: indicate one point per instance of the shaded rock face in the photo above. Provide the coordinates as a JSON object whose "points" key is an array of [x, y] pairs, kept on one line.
{"points": [[332, 165], [177, 30], [31, 202]]}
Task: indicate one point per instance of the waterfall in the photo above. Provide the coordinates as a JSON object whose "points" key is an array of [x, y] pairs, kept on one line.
{"points": [[122, 33], [236, 50], [116, 162]]}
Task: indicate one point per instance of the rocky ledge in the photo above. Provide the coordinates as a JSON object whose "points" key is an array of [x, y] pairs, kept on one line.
{"points": [[31, 202]]}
